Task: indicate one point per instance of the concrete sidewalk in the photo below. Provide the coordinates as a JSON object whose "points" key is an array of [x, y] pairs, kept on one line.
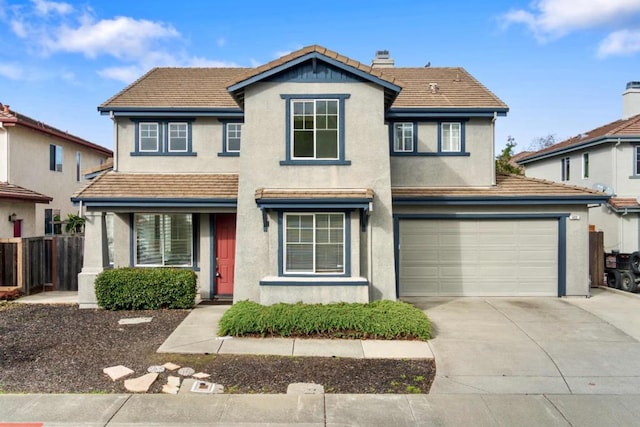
{"points": [[321, 410]]}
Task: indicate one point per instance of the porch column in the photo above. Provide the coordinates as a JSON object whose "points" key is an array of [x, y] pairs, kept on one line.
{"points": [[96, 258]]}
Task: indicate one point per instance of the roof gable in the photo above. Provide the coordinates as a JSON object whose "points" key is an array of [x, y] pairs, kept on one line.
{"points": [[623, 129]]}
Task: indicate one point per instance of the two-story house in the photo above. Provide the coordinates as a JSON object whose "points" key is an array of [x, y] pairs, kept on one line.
{"points": [[606, 158], [40, 169], [316, 178]]}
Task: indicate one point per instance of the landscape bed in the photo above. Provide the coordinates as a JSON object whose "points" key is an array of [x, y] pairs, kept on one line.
{"points": [[62, 349]]}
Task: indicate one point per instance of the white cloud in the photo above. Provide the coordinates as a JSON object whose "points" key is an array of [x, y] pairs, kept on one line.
{"points": [[549, 19], [121, 37], [125, 74], [11, 71], [197, 61], [623, 42], [43, 7]]}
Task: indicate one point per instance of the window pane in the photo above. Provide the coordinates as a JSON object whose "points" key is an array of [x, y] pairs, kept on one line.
{"points": [[321, 122], [332, 122], [298, 107], [332, 107], [177, 137], [327, 141], [234, 135], [322, 107], [177, 239], [148, 137], [329, 258], [164, 239], [303, 144], [451, 137], [299, 257], [637, 172], [148, 241], [298, 122], [59, 156]]}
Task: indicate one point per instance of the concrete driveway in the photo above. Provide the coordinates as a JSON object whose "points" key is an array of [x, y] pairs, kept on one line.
{"points": [[571, 345]]}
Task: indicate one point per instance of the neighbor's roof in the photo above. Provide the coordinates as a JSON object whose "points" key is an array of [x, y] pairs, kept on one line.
{"points": [[15, 192], [507, 187], [207, 87], [160, 186], [620, 128], [622, 203]]}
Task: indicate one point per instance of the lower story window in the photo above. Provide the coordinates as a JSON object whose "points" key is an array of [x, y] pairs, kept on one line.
{"points": [[164, 240], [314, 243]]}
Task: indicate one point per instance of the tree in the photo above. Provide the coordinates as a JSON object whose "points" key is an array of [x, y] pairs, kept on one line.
{"points": [[503, 161], [542, 142]]}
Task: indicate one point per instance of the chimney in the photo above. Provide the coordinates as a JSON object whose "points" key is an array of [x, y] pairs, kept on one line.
{"points": [[6, 108], [631, 100], [382, 60]]}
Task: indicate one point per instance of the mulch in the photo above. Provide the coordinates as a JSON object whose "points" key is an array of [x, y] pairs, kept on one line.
{"points": [[62, 349]]}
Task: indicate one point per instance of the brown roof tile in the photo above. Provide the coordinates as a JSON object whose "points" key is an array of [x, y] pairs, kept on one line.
{"points": [[108, 164], [623, 127], [624, 202], [506, 186], [15, 192], [314, 193], [116, 185], [207, 87]]}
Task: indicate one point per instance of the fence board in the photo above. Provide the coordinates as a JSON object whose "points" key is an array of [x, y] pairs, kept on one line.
{"points": [[68, 252], [596, 258], [8, 264]]}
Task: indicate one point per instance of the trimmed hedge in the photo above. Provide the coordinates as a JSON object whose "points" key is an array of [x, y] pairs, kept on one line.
{"points": [[376, 320], [146, 288]]}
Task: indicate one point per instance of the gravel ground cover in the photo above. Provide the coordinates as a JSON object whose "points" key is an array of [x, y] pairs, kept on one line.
{"points": [[62, 349]]}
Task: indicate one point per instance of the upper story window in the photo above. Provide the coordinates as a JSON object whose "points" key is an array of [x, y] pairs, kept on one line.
{"points": [[636, 163], [404, 137], [234, 135], [585, 165], [566, 168], [314, 243], [315, 129], [55, 158], [451, 137], [78, 166], [178, 137], [162, 138]]}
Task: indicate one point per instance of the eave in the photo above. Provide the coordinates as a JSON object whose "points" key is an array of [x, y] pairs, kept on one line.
{"points": [[171, 112], [438, 112], [501, 201]]}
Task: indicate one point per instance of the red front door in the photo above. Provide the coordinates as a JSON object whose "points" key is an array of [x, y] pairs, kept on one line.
{"points": [[225, 253], [17, 228]]}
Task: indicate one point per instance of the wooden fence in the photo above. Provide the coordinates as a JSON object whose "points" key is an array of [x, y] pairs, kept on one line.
{"points": [[37, 262], [596, 258]]}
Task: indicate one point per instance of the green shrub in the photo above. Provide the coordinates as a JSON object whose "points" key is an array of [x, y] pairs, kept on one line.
{"points": [[145, 288], [376, 320]]}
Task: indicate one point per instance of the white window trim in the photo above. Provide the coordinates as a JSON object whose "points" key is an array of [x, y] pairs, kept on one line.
{"points": [[228, 135], [186, 137], [459, 140], [162, 243], [157, 126], [404, 126], [315, 129], [284, 245]]}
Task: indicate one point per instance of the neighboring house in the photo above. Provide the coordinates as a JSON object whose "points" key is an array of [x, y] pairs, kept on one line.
{"points": [[606, 158], [316, 178], [47, 163]]}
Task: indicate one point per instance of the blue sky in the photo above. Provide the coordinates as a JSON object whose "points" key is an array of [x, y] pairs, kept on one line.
{"points": [[560, 65]]}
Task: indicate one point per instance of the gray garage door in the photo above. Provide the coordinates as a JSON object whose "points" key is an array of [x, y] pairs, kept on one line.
{"points": [[450, 257]]}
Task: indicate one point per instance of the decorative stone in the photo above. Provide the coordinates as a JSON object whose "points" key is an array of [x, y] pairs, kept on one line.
{"points": [[186, 372], [305, 388], [170, 389], [201, 375], [117, 372], [171, 366], [173, 381], [134, 320], [140, 384], [156, 368]]}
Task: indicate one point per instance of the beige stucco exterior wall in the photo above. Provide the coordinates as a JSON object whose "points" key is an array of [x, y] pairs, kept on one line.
{"points": [[475, 170], [577, 235], [206, 143], [24, 211], [29, 168], [366, 146]]}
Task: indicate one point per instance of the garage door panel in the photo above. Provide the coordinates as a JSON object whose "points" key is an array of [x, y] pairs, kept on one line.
{"points": [[485, 257]]}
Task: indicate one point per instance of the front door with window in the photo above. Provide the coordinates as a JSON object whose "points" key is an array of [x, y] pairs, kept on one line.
{"points": [[225, 253]]}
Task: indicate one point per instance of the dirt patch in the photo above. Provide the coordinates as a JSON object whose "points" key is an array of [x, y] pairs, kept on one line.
{"points": [[62, 349]]}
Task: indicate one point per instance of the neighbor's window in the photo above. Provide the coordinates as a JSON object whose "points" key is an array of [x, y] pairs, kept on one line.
{"points": [[177, 137], [55, 158], [234, 133], [403, 137], [164, 240], [314, 243], [149, 138], [585, 165], [78, 166], [315, 129], [566, 169], [451, 140], [637, 160]]}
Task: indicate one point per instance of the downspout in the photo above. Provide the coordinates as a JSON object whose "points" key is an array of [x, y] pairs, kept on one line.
{"points": [[115, 141], [493, 148], [370, 250]]}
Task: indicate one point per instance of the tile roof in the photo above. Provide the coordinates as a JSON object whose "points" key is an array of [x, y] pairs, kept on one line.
{"points": [[314, 193], [620, 203], [116, 185], [618, 128], [455, 87], [11, 118], [108, 164], [15, 192], [506, 186], [207, 87]]}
